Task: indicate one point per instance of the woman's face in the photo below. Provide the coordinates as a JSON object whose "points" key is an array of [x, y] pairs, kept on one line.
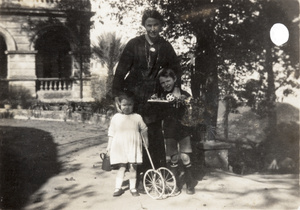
{"points": [[153, 28], [167, 83], [126, 106]]}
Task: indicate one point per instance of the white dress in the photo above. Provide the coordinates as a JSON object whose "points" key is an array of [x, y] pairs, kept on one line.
{"points": [[126, 146]]}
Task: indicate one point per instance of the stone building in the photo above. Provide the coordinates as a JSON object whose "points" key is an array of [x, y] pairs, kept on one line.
{"points": [[45, 48]]}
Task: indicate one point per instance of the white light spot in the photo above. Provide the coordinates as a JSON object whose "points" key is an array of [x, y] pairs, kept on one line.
{"points": [[279, 34]]}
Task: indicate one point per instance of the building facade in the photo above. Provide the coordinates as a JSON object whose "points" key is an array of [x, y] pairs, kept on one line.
{"points": [[45, 48]]}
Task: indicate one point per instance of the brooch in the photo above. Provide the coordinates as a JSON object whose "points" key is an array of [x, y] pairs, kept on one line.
{"points": [[152, 49]]}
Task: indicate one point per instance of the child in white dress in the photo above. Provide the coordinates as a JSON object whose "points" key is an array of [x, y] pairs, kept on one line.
{"points": [[125, 133]]}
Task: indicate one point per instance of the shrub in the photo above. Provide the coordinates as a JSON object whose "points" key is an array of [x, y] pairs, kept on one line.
{"points": [[7, 115], [17, 95], [98, 86]]}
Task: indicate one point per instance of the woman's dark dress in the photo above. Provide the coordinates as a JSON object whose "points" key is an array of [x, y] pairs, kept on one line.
{"points": [[137, 72]]}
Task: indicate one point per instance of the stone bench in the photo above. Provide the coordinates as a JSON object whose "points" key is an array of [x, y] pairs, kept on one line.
{"points": [[215, 154]]}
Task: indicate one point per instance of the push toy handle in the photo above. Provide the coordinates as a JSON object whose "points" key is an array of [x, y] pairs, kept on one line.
{"points": [[148, 153]]}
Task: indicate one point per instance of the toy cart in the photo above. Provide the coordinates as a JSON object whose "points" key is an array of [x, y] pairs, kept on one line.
{"points": [[160, 183]]}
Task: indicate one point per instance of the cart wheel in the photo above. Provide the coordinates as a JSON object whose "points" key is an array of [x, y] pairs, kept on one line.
{"points": [[154, 184], [169, 181]]}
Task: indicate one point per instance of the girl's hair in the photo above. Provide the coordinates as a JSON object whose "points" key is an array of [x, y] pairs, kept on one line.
{"points": [[166, 73], [127, 95], [152, 14]]}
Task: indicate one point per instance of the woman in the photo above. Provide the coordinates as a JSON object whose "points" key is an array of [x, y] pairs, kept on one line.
{"points": [[137, 71]]}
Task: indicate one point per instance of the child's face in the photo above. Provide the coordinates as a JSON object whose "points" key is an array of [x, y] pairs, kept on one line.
{"points": [[126, 106], [167, 83]]}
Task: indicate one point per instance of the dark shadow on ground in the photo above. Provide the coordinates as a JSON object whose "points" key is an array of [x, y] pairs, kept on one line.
{"points": [[28, 158]]}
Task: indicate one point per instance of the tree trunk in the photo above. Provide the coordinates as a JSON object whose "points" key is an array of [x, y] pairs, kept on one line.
{"points": [[225, 119], [205, 81], [271, 95], [109, 81]]}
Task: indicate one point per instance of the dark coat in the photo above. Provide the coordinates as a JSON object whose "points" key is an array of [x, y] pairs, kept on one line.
{"points": [[142, 66]]}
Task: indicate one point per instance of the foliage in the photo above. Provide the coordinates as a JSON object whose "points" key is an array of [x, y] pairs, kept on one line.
{"points": [[124, 16], [108, 49], [7, 115], [103, 106], [74, 5], [17, 95], [247, 132], [98, 87], [246, 157], [233, 43], [235, 32]]}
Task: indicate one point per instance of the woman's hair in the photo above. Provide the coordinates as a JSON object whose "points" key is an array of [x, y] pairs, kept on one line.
{"points": [[166, 73], [152, 14]]}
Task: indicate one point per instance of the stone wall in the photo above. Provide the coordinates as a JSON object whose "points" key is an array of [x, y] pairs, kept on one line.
{"points": [[20, 39], [56, 115]]}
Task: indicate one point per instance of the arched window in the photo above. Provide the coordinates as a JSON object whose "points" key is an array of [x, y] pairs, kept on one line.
{"points": [[53, 59]]}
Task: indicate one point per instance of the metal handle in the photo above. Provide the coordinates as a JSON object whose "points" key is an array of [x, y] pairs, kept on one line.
{"points": [[102, 156], [148, 153]]}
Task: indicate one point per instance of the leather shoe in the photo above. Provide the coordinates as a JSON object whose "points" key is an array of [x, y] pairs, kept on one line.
{"points": [[134, 193], [190, 191], [141, 189], [118, 192], [190, 188]]}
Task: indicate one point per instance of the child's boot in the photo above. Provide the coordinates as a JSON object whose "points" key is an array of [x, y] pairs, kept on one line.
{"points": [[174, 169], [190, 181], [140, 185]]}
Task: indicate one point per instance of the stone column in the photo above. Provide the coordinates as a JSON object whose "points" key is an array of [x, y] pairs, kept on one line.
{"points": [[21, 69], [87, 92]]}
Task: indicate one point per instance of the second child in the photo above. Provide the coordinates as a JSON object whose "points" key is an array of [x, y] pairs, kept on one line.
{"points": [[177, 136]]}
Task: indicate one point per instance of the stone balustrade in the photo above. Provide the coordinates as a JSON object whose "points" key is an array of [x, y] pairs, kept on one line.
{"points": [[52, 84]]}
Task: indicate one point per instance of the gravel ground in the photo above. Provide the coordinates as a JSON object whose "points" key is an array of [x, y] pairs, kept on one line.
{"points": [[56, 165]]}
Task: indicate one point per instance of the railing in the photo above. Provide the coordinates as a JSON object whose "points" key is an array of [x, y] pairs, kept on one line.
{"points": [[53, 84]]}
